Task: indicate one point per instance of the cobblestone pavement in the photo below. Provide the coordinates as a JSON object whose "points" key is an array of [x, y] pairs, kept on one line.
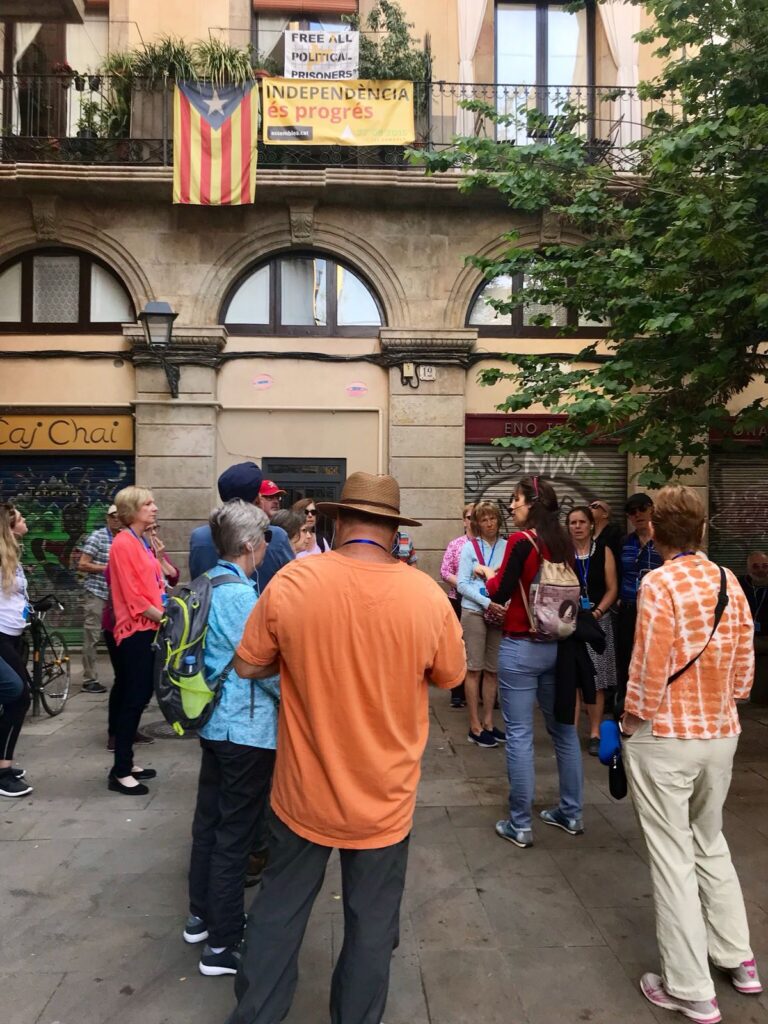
{"points": [[93, 894]]}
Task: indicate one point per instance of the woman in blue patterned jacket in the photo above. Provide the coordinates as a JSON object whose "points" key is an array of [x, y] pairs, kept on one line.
{"points": [[238, 747]]}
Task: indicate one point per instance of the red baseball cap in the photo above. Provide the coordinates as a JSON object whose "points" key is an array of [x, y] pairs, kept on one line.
{"points": [[269, 489]]}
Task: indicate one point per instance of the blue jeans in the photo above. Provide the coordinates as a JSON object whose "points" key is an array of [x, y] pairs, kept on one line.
{"points": [[527, 674], [11, 683]]}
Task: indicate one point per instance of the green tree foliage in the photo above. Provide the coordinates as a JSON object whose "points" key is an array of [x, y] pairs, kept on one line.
{"points": [[674, 257], [387, 48]]}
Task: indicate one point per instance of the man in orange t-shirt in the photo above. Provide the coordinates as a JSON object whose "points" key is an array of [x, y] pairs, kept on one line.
{"points": [[356, 636]]}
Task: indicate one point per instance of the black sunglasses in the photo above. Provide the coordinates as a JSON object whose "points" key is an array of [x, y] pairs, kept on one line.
{"points": [[310, 511]]}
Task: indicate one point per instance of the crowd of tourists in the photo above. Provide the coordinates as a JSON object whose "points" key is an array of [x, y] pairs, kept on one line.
{"points": [[574, 616]]}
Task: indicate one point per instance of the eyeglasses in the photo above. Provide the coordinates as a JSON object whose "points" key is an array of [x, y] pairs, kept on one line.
{"points": [[310, 511], [267, 535]]}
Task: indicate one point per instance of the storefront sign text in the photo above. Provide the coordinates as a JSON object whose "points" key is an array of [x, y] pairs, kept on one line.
{"points": [[62, 433]]}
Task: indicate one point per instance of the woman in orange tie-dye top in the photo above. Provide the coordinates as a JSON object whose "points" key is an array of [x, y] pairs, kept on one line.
{"points": [[681, 740]]}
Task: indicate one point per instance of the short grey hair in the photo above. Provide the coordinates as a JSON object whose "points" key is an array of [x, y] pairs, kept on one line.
{"points": [[235, 524]]}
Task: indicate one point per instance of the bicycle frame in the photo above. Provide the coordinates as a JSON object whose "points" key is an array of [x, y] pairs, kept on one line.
{"points": [[38, 634]]}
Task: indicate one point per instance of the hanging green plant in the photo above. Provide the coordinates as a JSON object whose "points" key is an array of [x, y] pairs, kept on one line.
{"points": [[170, 57], [220, 63]]}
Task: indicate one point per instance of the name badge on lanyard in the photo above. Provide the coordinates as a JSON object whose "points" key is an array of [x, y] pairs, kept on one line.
{"points": [[585, 603]]}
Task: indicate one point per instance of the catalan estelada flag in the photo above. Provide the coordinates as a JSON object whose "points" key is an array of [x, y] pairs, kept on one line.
{"points": [[214, 143]]}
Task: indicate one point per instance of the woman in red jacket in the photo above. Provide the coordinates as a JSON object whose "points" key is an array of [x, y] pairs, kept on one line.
{"points": [[137, 588], [527, 666]]}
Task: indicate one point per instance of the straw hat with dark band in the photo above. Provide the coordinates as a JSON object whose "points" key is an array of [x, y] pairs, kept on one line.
{"points": [[374, 495]]}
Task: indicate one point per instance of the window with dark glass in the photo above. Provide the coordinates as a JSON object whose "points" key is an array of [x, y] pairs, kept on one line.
{"points": [[62, 291], [302, 294], [521, 321], [272, 19], [544, 44], [545, 57]]}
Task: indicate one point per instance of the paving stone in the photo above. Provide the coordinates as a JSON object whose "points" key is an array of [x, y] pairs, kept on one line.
{"points": [[575, 984], [94, 892]]}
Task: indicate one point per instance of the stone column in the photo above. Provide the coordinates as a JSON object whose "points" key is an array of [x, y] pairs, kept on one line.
{"points": [[426, 433], [176, 437]]}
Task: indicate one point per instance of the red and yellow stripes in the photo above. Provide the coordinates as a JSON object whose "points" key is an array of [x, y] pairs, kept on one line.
{"points": [[215, 167]]}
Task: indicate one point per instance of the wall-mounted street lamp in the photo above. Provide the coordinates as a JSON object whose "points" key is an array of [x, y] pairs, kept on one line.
{"points": [[156, 320]]}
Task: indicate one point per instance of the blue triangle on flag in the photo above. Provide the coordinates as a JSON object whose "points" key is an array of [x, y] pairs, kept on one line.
{"points": [[216, 103]]}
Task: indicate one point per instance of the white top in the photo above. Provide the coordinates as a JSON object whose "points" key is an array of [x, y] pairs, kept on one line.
{"points": [[13, 605]]}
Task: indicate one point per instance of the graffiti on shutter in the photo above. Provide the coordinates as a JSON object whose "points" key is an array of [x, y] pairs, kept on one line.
{"points": [[490, 474], [64, 499], [738, 508]]}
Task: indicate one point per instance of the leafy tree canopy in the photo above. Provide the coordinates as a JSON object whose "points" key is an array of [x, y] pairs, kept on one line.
{"points": [[674, 257]]}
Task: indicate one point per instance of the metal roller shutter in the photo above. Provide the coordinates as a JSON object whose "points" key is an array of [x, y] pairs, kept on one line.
{"points": [[490, 473], [63, 498], [738, 507]]}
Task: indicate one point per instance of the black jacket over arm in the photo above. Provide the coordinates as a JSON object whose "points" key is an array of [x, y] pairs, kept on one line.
{"points": [[574, 669]]}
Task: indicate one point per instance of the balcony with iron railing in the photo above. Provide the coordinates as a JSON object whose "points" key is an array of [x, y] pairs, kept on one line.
{"points": [[101, 119]]}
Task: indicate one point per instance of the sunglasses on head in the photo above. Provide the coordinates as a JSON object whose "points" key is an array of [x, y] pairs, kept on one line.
{"points": [[596, 504]]}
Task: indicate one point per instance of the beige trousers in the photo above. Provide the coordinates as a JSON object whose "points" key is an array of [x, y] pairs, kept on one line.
{"points": [[679, 788], [93, 609]]}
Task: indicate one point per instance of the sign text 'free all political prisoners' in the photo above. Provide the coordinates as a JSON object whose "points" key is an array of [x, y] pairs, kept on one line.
{"points": [[359, 113], [334, 56]]}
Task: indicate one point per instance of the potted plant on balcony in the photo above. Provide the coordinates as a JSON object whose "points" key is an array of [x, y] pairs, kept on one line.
{"points": [[222, 64], [64, 72], [154, 68], [389, 51]]}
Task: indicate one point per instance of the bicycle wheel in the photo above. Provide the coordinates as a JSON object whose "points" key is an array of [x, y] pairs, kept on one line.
{"points": [[54, 688]]}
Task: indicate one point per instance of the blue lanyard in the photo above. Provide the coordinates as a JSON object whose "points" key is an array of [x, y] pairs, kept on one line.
{"points": [[141, 541], [482, 551], [647, 548], [682, 555], [159, 577], [582, 567], [363, 540], [229, 565]]}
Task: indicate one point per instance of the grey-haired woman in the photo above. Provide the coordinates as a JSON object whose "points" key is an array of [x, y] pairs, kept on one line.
{"points": [[238, 747]]}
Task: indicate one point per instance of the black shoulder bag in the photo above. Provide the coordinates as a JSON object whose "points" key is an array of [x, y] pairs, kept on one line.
{"points": [[722, 604], [617, 777]]}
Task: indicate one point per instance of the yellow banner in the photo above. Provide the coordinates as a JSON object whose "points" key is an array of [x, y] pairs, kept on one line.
{"points": [[319, 113], [66, 433]]}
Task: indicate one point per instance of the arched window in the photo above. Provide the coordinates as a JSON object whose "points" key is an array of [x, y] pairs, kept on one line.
{"points": [[520, 321], [61, 291], [301, 294]]}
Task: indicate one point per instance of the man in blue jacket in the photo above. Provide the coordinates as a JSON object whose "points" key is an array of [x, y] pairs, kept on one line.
{"points": [[240, 481]]}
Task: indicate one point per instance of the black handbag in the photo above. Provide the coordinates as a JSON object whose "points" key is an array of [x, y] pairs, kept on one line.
{"points": [[617, 776]]}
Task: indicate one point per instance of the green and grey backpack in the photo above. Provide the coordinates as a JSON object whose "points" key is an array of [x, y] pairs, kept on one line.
{"points": [[186, 698]]}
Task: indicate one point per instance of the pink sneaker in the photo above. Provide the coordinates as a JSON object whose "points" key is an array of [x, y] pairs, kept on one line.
{"points": [[703, 1011], [745, 978]]}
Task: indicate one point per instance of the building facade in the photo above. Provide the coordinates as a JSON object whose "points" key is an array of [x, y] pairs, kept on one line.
{"points": [[332, 326]]}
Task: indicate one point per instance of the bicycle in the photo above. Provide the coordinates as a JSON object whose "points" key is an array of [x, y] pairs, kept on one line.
{"points": [[51, 670]]}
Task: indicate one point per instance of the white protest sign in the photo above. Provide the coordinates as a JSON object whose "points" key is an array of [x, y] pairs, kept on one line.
{"points": [[330, 54]]}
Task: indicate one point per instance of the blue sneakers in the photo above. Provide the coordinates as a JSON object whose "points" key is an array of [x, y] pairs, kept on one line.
{"points": [[484, 739], [195, 930], [573, 826], [522, 837]]}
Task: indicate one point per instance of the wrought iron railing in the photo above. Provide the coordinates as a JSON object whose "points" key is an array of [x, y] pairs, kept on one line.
{"points": [[100, 119]]}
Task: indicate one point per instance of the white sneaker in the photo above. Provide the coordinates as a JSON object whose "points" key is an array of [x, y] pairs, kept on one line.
{"points": [[744, 978], [703, 1011]]}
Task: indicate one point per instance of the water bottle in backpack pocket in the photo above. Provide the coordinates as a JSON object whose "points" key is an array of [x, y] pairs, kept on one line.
{"points": [[186, 698]]}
